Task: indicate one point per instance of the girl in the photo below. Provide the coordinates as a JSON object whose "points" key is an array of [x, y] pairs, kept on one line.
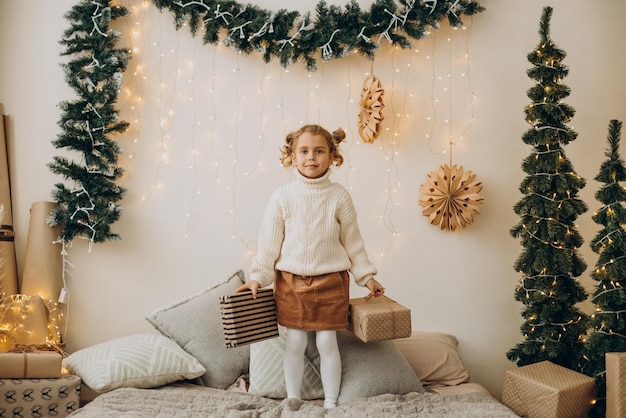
{"points": [[308, 242]]}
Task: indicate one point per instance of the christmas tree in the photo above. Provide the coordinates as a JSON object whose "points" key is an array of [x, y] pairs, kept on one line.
{"points": [[553, 326], [87, 206], [608, 323]]}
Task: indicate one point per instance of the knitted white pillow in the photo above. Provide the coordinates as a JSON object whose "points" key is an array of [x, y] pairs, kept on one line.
{"points": [[139, 361], [267, 377]]}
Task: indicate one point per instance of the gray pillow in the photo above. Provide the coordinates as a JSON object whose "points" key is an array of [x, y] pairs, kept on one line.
{"points": [[369, 369], [267, 377], [195, 324]]}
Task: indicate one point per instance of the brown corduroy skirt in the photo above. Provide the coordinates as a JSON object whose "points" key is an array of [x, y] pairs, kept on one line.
{"points": [[312, 302]]}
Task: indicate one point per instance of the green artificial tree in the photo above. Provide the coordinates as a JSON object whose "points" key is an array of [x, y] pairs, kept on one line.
{"points": [[608, 324], [88, 204], [553, 326]]}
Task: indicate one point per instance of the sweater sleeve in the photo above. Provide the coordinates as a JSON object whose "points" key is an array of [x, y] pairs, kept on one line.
{"points": [[270, 241], [350, 236]]}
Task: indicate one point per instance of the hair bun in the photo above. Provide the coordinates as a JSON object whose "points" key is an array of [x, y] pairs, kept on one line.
{"points": [[339, 135]]}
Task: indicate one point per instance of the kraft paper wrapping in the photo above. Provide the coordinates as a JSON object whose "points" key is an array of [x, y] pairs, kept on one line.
{"points": [[33, 365], [8, 264], [546, 389], [378, 319], [43, 262], [615, 385]]}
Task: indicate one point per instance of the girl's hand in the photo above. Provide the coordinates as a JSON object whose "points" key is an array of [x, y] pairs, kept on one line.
{"points": [[376, 289], [250, 285]]}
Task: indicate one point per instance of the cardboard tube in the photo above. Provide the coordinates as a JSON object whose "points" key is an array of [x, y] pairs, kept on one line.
{"points": [[43, 262], [8, 264]]}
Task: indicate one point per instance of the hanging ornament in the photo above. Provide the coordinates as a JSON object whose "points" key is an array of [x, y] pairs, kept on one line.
{"points": [[450, 197], [370, 116]]}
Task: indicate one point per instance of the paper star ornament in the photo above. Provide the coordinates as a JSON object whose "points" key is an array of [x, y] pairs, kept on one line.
{"points": [[450, 197], [371, 103]]}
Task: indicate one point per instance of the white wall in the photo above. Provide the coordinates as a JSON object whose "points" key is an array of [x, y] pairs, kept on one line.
{"points": [[215, 158]]}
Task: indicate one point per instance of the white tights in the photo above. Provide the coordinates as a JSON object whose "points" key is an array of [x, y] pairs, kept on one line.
{"points": [[330, 363]]}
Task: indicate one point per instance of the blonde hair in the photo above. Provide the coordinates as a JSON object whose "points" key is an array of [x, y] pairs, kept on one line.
{"points": [[333, 140]]}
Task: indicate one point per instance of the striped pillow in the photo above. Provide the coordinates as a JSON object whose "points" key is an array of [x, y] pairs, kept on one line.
{"points": [[140, 361], [267, 377]]}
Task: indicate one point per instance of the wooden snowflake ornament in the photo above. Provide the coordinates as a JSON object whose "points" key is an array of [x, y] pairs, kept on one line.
{"points": [[370, 116], [450, 197]]}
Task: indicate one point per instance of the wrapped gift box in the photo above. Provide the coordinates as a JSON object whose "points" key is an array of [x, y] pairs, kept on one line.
{"points": [[378, 319], [32, 365], [39, 397], [248, 320], [546, 389], [615, 385]]}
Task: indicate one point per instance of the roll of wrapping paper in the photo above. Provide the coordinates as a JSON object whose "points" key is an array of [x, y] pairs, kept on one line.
{"points": [[43, 261], [8, 265]]}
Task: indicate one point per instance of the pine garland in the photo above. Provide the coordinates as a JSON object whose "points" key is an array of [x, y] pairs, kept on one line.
{"points": [[334, 31], [87, 207]]}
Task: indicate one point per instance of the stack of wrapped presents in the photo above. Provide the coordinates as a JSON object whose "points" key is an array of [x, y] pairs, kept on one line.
{"points": [[33, 384]]}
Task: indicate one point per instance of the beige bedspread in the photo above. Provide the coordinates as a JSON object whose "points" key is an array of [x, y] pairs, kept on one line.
{"points": [[197, 401]]}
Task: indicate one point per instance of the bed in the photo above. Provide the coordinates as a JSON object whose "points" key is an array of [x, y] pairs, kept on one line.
{"points": [[183, 369]]}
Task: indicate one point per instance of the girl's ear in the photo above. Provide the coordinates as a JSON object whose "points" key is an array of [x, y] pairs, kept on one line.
{"points": [[293, 158]]}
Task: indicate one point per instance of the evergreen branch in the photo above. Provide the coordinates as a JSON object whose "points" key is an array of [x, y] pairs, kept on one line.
{"points": [[332, 34], [88, 208], [544, 26]]}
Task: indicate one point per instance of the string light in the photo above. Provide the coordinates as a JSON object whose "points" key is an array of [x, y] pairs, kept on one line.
{"points": [[30, 320], [169, 88], [194, 152]]}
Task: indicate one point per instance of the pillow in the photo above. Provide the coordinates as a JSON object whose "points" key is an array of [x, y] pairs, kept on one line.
{"points": [[267, 376], [139, 361], [369, 369], [195, 324], [434, 358]]}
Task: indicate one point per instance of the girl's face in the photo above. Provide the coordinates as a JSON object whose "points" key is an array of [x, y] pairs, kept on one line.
{"points": [[311, 155]]}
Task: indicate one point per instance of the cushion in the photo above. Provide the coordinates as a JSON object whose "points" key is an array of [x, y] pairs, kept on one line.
{"points": [[195, 323], [369, 369], [140, 361], [267, 377], [434, 358]]}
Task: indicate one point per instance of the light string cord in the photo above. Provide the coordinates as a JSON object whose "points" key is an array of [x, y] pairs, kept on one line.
{"points": [[213, 117], [616, 287], [65, 271], [262, 121], [281, 104], [137, 48], [162, 132], [450, 96], [194, 152], [320, 90], [433, 99], [387, 216], [608, 236], [235, 147], [468, 74], [349, 101], [308, 95]]}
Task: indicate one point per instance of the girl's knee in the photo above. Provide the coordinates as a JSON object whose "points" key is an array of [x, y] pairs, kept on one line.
{"points": [[326, 342]]}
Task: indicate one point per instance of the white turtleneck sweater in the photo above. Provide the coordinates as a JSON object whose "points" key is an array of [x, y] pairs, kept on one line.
{"points": [[310, 228]]}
